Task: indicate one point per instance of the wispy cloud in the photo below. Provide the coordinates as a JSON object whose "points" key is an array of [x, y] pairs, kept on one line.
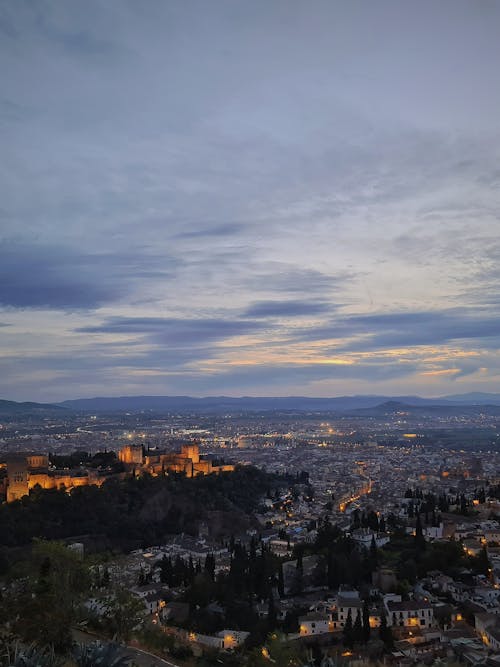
{"points": [[183, 331], [286, 309]]}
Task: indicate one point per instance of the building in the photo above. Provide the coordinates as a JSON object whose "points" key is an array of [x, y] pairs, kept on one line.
{"points": [[156, 462], [131, 454], [27, 470], [347, 603], [17, 477], [408, 613], [314, 623]]}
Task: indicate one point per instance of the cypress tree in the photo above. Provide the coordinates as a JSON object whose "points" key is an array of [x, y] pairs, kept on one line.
{"points": [[419, 535], [271, 612], [373, 553], [385, 633], [281, 583], [348, 631], [357, 629], [366, 622]]}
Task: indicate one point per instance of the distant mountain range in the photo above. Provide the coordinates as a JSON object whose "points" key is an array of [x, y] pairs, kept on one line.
{"points": [[245, 403], [12, 408], [367, 404]]}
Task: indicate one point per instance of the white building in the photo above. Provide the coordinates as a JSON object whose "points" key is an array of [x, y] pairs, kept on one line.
{"points": [[345, 604], [314, 623], [409, 613]]}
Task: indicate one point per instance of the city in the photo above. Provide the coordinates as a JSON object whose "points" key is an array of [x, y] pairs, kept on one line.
{"points": [[378, 535]]}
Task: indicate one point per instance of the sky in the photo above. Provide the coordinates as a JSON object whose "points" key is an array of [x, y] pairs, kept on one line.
{"points": [[265, 198]]}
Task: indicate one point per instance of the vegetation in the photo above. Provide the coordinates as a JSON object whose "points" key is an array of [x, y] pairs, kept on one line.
{"points": [[132, 512], [14, 654], [105, 459], [43, 604], [100, 655]]}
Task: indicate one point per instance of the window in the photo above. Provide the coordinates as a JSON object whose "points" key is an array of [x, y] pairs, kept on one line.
{"points": [[422, 621]]}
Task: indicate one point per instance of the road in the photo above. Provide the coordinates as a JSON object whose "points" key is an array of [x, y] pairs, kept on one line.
{"points": [[142, 658]]}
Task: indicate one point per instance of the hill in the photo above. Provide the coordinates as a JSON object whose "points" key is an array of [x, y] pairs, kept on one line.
{"points": [[14, 409], [218, 404], [138, 512]]}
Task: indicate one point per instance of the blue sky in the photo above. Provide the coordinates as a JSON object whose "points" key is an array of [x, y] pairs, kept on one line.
{"points": [[249, 198]]}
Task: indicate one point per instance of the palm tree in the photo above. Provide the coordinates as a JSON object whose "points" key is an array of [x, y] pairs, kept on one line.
{"points": [[100, 655]]}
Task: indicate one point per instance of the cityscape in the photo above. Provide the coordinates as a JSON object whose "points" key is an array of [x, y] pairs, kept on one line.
{"points": [[362, 534], [249, 333]]}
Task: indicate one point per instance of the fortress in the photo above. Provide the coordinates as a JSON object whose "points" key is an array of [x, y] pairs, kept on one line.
{"points": [[27, 470], [155, 462]]}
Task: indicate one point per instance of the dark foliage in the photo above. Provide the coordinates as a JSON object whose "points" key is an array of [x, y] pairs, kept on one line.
{"points": [[125, 509]]}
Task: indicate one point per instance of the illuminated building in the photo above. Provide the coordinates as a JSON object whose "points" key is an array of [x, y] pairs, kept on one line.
{"points": [[186, 461], [408, 613], [27, 470], [131, 454], [17, 476]]}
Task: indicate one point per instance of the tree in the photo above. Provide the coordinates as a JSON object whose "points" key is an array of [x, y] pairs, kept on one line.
{"points": [[124, 612], [482, 563], [210, 566], [419, 535], [366, 622], [385, 634], [373, 553], [14, 655], [357, 629], [348, 633], [105, 578], [298, 583], [281, 583], [278, 652], [46, 605], [372, 521], [271, 612]]}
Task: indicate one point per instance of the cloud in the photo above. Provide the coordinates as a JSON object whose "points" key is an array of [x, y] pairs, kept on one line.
{"points": [[176, 331], [63, 278], [405, 329], [216, 231], [286, 309], [296, 376], [282, 278]]}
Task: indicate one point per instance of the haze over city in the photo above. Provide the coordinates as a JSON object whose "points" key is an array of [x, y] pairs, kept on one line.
{"points": [[266, 198]]}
